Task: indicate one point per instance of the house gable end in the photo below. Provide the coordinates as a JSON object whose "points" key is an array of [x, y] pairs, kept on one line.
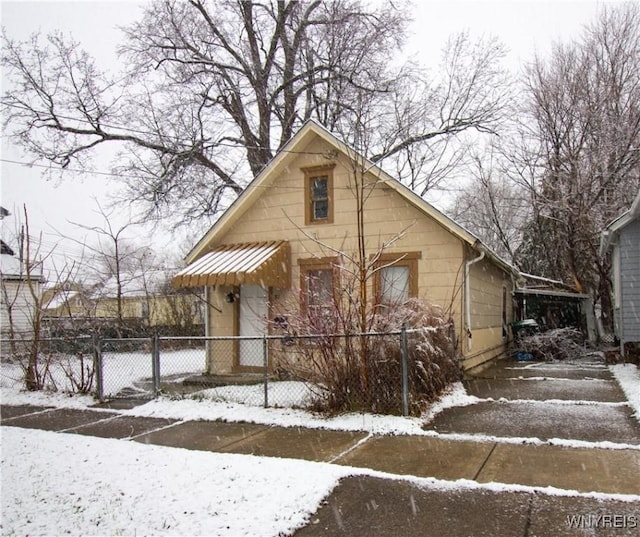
{"points": [[321, 148]]}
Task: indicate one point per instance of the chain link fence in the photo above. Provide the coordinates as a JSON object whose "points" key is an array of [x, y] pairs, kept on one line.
{"points": [[55, 364], [380, 372]]}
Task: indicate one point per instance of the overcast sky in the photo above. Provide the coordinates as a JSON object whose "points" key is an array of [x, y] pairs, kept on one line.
{"points": [[526, 27]]}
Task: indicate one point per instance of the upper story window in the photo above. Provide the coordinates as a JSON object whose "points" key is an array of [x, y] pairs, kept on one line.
{"points": [[320, 198], [318, 193]]}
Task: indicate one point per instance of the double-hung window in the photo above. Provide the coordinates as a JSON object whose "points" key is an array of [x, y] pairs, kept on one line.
{"points": [[396, 279], [318, 192], [317, 284], [394, 284]]}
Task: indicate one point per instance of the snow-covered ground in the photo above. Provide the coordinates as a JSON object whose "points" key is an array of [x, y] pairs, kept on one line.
{"points": [[65, 484], [120, 369], [628, 377], [70, 484], [56, 483], [133, 371]]}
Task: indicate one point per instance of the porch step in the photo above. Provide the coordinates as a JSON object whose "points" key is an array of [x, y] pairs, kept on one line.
{"points": [[215, 381]]}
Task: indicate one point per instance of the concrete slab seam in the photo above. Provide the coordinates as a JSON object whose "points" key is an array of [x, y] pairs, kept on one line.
{"points": [[545, 378], [531, 440], [468, 484], [355, 446], [527, 524], [244, 438], [4, 420], [75, 427], [560, 402], [164, 427], [475, 477]]}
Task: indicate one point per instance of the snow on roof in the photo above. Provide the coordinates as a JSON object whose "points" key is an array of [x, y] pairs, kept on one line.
{"points": [[609, 233], [10, 267], [6, 249]]}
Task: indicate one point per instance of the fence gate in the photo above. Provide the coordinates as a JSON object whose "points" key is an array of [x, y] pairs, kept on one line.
{"points": [[127, 368]]}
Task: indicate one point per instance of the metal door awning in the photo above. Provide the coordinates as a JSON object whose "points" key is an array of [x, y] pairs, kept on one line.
{"points": [[259, 263]]}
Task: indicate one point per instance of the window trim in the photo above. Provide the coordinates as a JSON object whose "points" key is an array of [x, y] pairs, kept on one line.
{"points": [[401, 259], [311, 173], [316, 263]]}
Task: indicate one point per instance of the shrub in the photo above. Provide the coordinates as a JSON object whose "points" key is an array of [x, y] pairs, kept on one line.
{"points": [[353, 372]]}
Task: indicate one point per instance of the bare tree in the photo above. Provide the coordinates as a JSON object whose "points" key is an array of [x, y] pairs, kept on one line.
{"points": [[211, 90], [431, 112], [24, 299], [493, 207], [580, 162], [205, 83], [112, 263]]}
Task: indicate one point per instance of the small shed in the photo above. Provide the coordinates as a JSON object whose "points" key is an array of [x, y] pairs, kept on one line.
{"points": [[556, 309], [17, 289]]}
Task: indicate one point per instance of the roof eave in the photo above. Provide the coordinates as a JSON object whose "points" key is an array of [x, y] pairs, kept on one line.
{"points": [[251, 189], [313, 127]]}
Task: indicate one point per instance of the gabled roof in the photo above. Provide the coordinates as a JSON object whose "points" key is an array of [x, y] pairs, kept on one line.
{"points": [[297, 145], [626, 218], [11, 268], [5, 249]]}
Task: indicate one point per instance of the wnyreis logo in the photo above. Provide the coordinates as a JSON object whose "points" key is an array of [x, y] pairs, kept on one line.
{"points": [[602, 521]]}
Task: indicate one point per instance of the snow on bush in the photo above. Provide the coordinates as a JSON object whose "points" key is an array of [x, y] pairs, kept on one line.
{"points": [[357, 372], [557, 344]]}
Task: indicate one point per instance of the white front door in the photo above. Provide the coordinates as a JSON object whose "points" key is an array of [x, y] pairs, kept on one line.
{"points": [[253, 315]]}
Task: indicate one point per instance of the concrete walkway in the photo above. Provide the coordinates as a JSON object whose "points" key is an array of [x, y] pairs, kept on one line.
{"points": [[484, 443], [576, 400]]}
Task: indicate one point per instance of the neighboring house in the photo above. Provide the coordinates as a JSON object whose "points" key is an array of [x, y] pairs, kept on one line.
{"points": [[252, 258], [622, 239], [67, 301], [19, 295], [143, 303]]}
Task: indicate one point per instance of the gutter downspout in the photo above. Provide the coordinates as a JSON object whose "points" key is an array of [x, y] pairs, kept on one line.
{"points": [[467, 295]]}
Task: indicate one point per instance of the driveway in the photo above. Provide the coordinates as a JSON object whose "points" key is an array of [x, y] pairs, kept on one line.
{"points": [[571, 400]]}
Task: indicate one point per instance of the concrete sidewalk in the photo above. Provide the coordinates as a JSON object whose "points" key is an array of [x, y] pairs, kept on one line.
{"points": [[370, 506], [582, 469], [484, 505]]}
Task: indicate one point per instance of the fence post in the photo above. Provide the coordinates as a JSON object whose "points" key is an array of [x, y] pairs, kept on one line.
{"points": [[155, 364], [265, 366], [405, 371], [97, 366]]}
